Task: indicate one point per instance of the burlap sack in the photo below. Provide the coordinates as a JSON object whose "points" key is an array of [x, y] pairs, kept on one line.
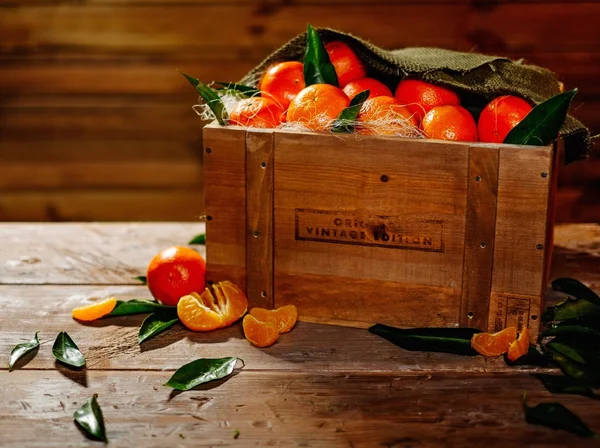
{"points": [[479, 78]]}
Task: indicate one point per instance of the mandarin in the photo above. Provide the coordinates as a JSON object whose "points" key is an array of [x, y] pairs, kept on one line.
{"points": [[257, 112], [261, 334], [283, 81], [206, 312], [375, 88], [500, 116], [383, 115], [284, 317], [494, 344], [316, 107], [450, 123], [420, 96], [174, 273], [520, 347], [95, 310], [347, 65]]}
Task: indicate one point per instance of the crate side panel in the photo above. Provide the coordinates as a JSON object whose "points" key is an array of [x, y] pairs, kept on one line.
{"points": [[479, 236], [225, 203], [377, 210], [521, 225], [259, 217]]}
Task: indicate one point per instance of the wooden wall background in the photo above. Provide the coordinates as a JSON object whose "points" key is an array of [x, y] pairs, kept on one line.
{"points": [[95, 124]]}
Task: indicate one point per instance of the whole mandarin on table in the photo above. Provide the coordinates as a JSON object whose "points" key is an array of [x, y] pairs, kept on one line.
{"points": [[174, 273], [450, 123], [500, 116], [257, 112], [375, 88], [283, 81], [383, 115], [316, 107], [348, 66], [420, 96]]}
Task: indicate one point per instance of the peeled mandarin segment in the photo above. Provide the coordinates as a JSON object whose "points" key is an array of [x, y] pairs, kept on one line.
{"points": [[206, 299], [236, 302], [261, 334], [520, 347], [196, 316], [95, 310], [285, 317], [494, 344], [221, 301]]}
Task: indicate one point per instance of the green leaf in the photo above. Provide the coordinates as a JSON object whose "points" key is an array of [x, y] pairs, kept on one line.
{"points": [[562, 384], [448, 340], [345, 121], [577, 289], [156, 323], [579, 372], [137, 306], [569, 329], [566, 350], [21, 350], [201, 371], [199, 239], [141, 278], [210, 97], [246, 90], [89, 418], [556, 416], [67, 352], [570, 309], [318, 68], [541, 126], [532, 358]]}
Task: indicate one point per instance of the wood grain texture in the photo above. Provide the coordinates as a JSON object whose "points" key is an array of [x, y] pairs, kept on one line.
{"points": [[85, 253], [225, 200], [479, 236], [295, 409], [259, 218]]}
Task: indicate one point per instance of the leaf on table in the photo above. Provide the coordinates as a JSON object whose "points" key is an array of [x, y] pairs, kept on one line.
{"points": [[67, 352], [347, 118], [562, 384], [532, 358], [198, 239], [566, 350], [575, 288], [569, 329], [541, 126], [138, 306], [157, 323], [570, 308], [318, 68], [142, 278], [582, 373], [234, 86], [448, 340], [556, 416], [210, 97], [21, 350], [201, 371], [89, 418]]}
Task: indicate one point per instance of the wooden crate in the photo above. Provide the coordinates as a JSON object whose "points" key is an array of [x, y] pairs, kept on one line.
{"points": [[356, 230]]}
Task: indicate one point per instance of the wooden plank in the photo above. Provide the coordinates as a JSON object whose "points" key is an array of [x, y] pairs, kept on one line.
{"points": [[359, 302], [225, 201], [259, 218], [112, 343], [148, 27], [317, 410], [479, 236], [86, 253], [486, 4], [102, 205], [519, 254]]}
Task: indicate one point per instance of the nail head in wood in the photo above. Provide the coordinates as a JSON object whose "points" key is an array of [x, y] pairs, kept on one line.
{"points": [[384, 178], [544, 174], [470, 315], [539, 246], [208, 150], [477, 178], [483, 245], [208, 218], [256, 234], [263, 165]]}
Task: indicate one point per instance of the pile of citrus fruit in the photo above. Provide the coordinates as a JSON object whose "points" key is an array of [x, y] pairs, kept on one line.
{"points": [[413, 108], [176, 278]]}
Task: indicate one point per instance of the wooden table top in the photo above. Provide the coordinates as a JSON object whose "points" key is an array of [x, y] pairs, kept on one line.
{"points": [[318, 386]]}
